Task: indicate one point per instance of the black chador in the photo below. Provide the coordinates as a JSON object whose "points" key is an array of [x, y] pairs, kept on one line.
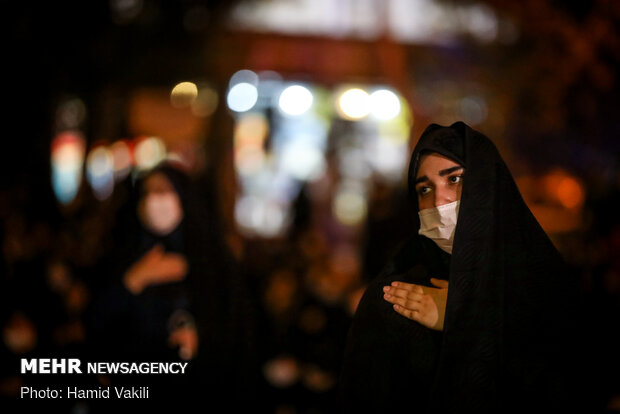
{"points": [[506, 344]]}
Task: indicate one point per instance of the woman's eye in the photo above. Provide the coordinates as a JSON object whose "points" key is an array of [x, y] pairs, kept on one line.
{"points": [[456, 179], [424, 190]]}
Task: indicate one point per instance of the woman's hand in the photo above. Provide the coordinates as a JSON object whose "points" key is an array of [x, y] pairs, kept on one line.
{"points": [[155, 267], [424, 305], [186, 339]]}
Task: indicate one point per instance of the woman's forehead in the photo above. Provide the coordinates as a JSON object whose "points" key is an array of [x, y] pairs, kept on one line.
{"points": [[433, 162]]}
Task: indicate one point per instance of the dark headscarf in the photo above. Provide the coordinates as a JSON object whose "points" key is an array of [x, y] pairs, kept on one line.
{"points": [[505, 340], [200, 233], [177, 239]]}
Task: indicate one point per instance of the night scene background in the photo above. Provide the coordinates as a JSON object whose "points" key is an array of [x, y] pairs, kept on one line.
{"points": [[299, 117]]}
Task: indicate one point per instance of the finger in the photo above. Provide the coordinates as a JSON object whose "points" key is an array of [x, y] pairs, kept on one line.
{"points": [[172, 258], [414, 315], [170, 269], [402, 293], [176, 268], [182, 265], [167, 278], [405, 303], [408, 286], [443, 284], [176, 256]]}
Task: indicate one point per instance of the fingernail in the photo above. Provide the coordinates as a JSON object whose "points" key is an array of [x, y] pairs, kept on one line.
{"points": [[394, 283], [387, 296], [386, 288]]}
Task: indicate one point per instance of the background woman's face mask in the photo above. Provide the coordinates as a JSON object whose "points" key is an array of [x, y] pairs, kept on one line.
{"points": [[160, 209], [439, 224]]}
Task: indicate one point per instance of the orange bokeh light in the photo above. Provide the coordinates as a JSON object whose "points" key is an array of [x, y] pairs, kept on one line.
{"points": [[570, 193]]}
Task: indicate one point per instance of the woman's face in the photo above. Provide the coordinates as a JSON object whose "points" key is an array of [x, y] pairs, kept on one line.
{"points": [[439, 181], [160, 208]]}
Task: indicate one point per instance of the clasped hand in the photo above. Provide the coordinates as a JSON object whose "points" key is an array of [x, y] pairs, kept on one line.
{"points": [[424, 305]]}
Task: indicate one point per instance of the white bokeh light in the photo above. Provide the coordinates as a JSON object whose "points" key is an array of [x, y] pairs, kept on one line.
{"points": [[242, 97], [384, 104], [303, 162], [295, 100], [100, 172]]}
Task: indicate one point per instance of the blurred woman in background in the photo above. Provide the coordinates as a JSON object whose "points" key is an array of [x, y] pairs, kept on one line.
{"points": [[172, 291]]}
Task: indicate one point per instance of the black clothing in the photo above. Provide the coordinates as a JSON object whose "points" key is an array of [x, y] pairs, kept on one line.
{"points": [[504, 347], [213, 295], [389, 357]]}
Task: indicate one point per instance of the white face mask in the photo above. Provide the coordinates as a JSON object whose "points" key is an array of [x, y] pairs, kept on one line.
{"points": [[439, 223], [162, 212]]}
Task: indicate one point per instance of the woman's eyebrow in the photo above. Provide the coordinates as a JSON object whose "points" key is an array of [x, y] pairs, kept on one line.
{"points": [[441, 173], [450, 170]]}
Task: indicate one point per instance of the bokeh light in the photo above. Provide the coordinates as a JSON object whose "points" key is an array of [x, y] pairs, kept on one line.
{"points": [[183, 94], [295, 100], [302, 161], [205, 103], [564, 188], [242, 97], [249, 136], [384, 104], [121, 159], [148, 152], [570, 193], [67, 153], [242, 91], [100, 171], [354, 103], [259, 216]]}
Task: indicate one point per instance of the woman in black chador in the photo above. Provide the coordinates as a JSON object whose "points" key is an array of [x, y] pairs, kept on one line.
{"points": [[171, 291], [473, 313]]}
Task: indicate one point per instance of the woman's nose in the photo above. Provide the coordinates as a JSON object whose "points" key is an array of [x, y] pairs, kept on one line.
{"points": [[444, 196]]}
